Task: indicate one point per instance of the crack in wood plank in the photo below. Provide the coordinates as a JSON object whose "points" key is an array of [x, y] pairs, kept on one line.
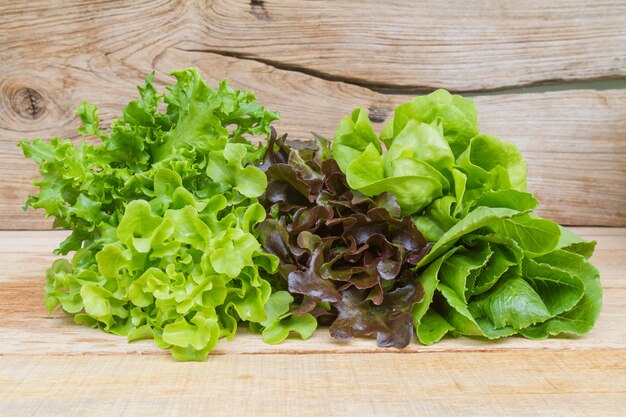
{"points": [[377, 45], [553, 84], [285, 66]]}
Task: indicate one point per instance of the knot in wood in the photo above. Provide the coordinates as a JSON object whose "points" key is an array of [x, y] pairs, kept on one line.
{"points": [[258, 10], [28, 103], [378, 114]]}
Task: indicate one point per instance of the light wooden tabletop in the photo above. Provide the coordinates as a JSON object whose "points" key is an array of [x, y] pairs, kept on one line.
{"points": [[314, 62]]}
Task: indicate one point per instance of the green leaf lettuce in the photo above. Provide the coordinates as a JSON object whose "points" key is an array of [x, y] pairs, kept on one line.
{"points": [[163, 213]]}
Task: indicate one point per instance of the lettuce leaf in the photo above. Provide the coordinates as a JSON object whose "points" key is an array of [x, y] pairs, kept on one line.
{"points": [[163, 213], [182, 228], [495, 268], [430, 157], [345, 258], [492, 285]]}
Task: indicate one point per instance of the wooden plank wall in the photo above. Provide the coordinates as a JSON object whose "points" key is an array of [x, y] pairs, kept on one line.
{"points": [[316, 63]]}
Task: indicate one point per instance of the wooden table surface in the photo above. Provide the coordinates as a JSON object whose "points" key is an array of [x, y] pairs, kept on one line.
{"points": [[314, 62]]}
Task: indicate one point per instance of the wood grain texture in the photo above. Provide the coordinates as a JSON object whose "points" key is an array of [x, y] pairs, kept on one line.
{"points": [[50, 366], [26, 328], [451, 384], [317, 62], [574, 141], [467, 46]]}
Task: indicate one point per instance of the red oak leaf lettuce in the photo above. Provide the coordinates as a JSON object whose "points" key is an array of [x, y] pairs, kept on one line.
{"points": [[339, 249]]}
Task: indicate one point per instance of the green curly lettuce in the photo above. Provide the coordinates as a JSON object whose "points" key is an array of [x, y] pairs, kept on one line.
{"points": [[163, 212], [281, 321]]}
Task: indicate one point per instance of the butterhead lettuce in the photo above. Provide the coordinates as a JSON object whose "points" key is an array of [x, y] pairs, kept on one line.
{"points": [[495, 268]]}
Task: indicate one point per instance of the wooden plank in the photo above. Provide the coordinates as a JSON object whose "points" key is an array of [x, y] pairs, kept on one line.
{"points": [[26, 327], [573, 140], [315, 64], [466, 46], [452, 384]]}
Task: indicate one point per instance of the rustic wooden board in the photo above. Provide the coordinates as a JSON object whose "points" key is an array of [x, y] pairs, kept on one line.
{"points": [[573, 141], [467, 46], [315, 62], [51, 367], [27, 328], [451, 384]]}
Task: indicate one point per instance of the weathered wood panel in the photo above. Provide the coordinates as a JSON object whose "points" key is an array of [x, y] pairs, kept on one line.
{"points": [[461, 45], [315, 62], [574, 141], [452, 384], [26, 328]]}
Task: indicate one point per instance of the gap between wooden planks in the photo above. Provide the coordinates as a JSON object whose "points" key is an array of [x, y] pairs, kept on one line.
{"points": [[26, 328]]}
